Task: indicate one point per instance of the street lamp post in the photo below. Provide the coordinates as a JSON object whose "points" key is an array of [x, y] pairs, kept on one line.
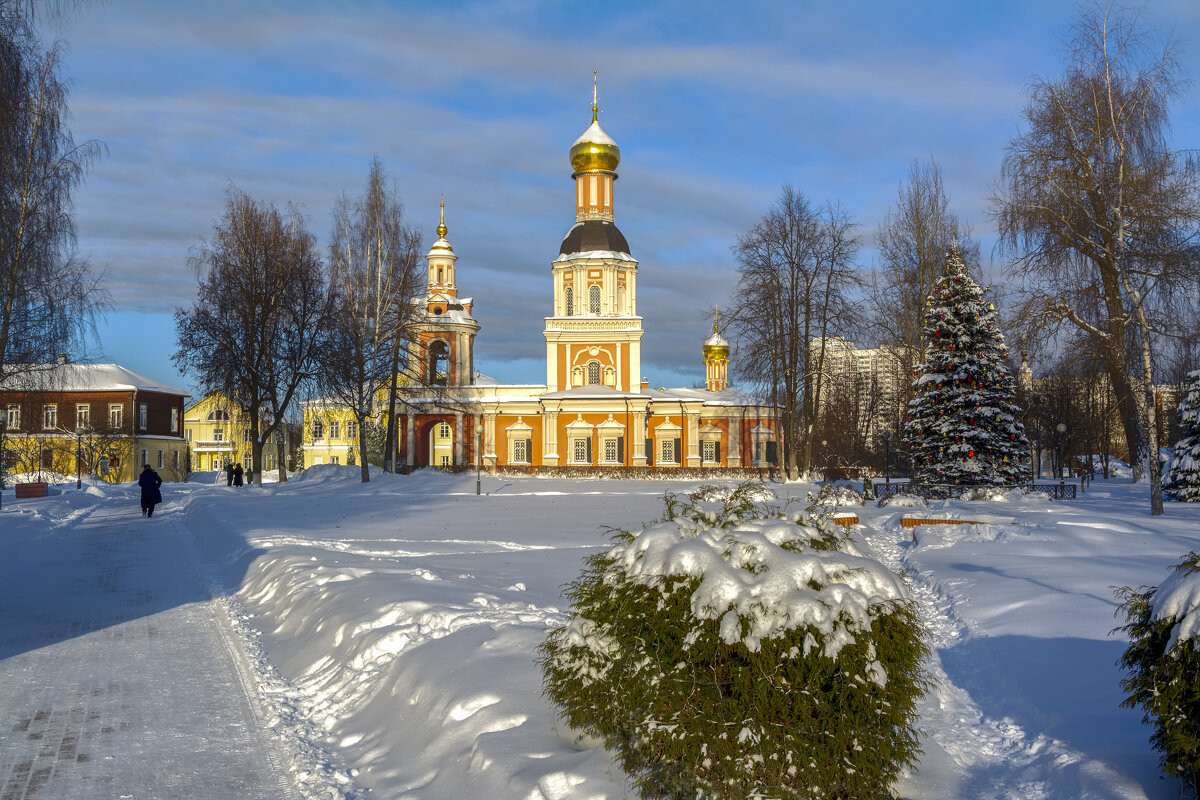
{"points": [[887, 471], [1060, 440], [78, 458]]}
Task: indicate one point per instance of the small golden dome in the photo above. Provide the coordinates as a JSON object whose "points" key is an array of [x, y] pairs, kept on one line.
{"points": [[594, 150], [716, 347], [441, 245]]}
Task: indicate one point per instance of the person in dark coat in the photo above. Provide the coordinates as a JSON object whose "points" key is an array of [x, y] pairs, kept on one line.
{"points": [[151, 496], [229, 473], [237, 475]]}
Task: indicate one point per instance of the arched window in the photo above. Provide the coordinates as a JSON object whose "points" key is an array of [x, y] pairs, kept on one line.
{"points": [[594, 299], [569, 294], [217, 415], [593, 373], [439, 358]]}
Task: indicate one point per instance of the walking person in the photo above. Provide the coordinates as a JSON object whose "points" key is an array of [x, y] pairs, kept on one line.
{"points": [[151, 496], [237, 475]]}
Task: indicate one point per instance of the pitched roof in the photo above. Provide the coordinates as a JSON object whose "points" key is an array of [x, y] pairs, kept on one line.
{"points": [[85, 378]]}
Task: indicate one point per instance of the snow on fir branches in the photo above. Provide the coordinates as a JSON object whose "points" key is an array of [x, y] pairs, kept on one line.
{"points": [[962, 426], [1183, 472]]}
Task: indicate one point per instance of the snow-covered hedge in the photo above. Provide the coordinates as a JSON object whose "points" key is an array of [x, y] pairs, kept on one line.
{"points": [[741, 651], [1163, 663]]}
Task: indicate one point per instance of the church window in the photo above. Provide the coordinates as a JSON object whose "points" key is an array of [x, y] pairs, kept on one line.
{"points": [[439, 274], [708, 450], [594, 299], [668, 451], [569, 295], [579, 448], [593, 373], [520, 454], [610, 450], [439, 357]]}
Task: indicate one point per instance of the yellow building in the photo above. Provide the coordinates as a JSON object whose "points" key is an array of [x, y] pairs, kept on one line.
{"points": [[219, 432], [595, 409]]}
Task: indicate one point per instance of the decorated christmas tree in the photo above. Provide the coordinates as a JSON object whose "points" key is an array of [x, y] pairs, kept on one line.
{"points": [[1183, 473], [962, 426]]}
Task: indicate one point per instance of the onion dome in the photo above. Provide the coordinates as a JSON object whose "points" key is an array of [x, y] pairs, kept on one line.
{"points": [[441, 246], [716, 347], [595, 150]]}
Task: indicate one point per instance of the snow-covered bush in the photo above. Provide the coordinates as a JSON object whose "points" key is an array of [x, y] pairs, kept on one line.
{"points": [[741, 652], [715, 493], [903, 501], [1163, 663], [834, 496]]}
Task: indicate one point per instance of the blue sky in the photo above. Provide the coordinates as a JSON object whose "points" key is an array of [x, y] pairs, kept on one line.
{"points": [[715, 106]]}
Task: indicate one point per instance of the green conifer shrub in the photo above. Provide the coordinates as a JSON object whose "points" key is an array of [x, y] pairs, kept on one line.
{"points": [[736, 650], [1163, 666]]}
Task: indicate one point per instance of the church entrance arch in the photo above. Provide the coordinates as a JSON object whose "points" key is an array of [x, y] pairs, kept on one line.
{"points": [[435, 443]]}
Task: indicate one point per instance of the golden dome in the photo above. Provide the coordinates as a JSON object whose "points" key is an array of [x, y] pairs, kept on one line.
{"points": [[441, 245], [716, 347], [594, 150]]}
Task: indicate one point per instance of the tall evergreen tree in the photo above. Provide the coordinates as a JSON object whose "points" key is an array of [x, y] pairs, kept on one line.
{"points": [[1183, 474], [962, 426]]}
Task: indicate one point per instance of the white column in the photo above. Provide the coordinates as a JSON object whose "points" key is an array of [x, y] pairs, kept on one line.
{"points": [[734, 445], [693, 439], [639, 438]]}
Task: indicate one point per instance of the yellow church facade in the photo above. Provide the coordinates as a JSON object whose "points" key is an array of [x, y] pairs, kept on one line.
{"points": [[595, 409]]}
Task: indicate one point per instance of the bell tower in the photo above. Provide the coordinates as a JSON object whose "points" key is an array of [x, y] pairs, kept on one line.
{"points": [[594, 334], [445, 350]]}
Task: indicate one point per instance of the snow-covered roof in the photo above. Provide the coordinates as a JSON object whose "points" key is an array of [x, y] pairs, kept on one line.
{"points": [[86, 378], [591, 392], [725, 397]]}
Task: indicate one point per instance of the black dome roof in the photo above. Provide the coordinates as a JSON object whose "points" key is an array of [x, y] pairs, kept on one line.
{"points": [[593, 234]]}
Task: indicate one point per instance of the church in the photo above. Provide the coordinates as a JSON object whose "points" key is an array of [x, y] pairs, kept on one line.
{"points": [[595, 409]]}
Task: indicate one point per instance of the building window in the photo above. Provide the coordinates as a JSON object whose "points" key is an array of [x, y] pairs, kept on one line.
{"points": [[443, 430], [569, 296], [217, 415], [439, 361], [115, 416], [335, 429], [218, 435], [759, 451], [610, 451], [708, 450], [593, 373], [174, 420], [247, 436], [83, 415], [668, 451], [174, 459], [445, 461], [579, 448], [520, 451], [187, 435], [352, 430], [50, 416], [594, 299], [13, 421], [318, 428], [142, 416], [161, 459], [145, 456]]}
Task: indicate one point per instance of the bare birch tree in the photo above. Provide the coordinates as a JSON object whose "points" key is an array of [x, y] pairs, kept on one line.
{"points": [[49, 293], [374, 277], [795, 273], [253, 330], [1100, 215]]}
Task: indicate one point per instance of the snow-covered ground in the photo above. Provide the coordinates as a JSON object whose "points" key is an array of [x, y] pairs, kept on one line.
{"points": [[391, 626]]}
